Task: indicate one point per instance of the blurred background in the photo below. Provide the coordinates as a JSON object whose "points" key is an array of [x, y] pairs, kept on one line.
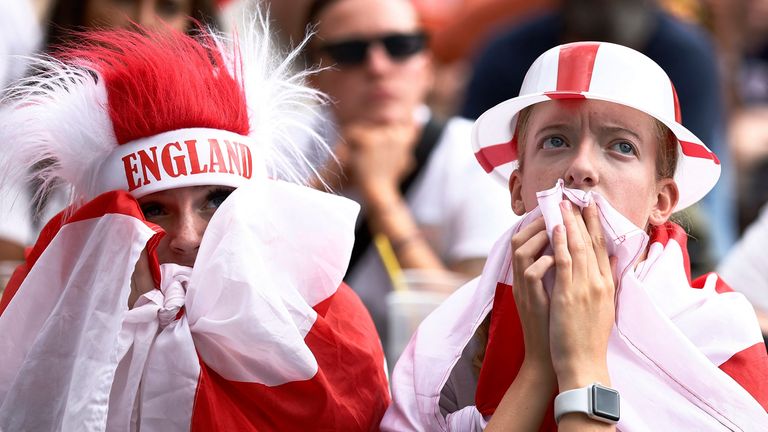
{"points": [[715, 51]]}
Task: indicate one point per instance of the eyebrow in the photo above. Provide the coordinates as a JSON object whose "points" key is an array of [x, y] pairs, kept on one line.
{"points": [[556, 127], [619, 129]]}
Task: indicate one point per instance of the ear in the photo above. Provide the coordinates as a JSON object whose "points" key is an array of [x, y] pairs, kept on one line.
{"points": [[667, 196], [516, 193]]}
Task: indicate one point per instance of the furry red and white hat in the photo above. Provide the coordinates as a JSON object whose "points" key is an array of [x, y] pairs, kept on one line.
{"points": [[146, 111], [602, 71]]}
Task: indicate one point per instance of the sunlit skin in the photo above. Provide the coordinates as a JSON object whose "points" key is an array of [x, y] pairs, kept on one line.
{"points": [[381, 90], [183, 214], [151, 14]]}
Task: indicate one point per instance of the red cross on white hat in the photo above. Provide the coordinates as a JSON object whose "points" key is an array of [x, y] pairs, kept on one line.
{"points": [[602, 71]]}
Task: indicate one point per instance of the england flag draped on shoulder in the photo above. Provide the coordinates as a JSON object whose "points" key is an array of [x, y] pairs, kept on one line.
{"points": [[261, 334]]}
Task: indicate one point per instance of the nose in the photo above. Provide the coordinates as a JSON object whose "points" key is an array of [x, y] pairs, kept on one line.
{"points": [[186, 236], [582, 172], [378, 60]]}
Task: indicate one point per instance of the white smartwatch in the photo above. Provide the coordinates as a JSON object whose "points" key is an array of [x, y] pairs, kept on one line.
{"points": [[596, 401]]}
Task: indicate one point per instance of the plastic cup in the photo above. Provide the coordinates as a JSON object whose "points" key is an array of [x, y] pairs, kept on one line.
{"points": [[424, 292]]}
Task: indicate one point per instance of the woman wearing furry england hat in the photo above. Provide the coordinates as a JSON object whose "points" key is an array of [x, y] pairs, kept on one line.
{"points": [[186, 288]]}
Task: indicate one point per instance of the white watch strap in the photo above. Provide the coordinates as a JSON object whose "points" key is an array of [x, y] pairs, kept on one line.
{"points": [[576, 400]]}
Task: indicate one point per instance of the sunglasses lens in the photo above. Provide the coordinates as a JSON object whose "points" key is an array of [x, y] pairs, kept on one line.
{"points": [[351, 52], [402, 46]]}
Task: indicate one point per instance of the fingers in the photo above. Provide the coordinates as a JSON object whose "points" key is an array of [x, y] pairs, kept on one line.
{"points": [[576, 237], [527, 246], [563, 262], [527, 232], [595, 231]]}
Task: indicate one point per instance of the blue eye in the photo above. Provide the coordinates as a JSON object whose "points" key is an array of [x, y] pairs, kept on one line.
{"points": [[553, 142], [624, 147]]}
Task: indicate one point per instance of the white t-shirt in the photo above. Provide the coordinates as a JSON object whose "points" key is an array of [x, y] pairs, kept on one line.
{"points": [[459, 208], [745, 267]]}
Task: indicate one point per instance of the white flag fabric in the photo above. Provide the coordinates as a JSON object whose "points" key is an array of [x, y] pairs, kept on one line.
{"points": [[682, 356], [260, 335]]}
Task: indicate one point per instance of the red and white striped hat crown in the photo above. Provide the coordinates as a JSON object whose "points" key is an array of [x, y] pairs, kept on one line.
{"points": [[602, 71], [153, 110]]}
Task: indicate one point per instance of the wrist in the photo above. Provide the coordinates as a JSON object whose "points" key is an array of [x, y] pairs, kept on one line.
{"points": [[378, 193], [539, 371], [577, 377]]}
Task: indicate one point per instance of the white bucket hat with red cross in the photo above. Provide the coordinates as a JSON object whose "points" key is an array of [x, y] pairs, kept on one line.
{"points": [[602, 71]]}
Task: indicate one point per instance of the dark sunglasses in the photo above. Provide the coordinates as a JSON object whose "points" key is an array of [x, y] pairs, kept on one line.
{"points": [[354, 52]]}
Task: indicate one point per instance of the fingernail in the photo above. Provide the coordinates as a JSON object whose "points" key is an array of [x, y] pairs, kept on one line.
{"points": [[559, 229], [566, 204]]}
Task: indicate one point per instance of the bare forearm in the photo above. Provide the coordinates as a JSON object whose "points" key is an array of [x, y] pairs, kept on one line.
{"points": [[523, 406], [389, 214]]}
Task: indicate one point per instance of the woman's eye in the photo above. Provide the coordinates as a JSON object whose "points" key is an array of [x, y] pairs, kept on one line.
{"points": [[217, 197], [152, 210], [553, 142], [624, 147]]}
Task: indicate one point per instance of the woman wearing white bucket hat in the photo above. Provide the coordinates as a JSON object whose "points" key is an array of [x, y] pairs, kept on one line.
{"points": [[585, 314], [186, 288]]}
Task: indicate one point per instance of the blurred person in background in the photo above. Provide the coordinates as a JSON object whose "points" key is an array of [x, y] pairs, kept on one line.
{"points": [[457, 30], [743, 31], [413, 173], [741, 27], [684, 51]]}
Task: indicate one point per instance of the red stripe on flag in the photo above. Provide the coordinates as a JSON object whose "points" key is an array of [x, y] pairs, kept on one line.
{"points": [[496, 155], [698, 151], [748, 368], [348, 393], [671, 231], [575, 66]]}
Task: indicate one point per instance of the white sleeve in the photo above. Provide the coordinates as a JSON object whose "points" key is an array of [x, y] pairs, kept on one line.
{"points": [[479, 206], [744, 268]]}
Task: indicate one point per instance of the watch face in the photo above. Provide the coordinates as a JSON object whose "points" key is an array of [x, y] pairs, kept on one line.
{"points": [[605, 402]]}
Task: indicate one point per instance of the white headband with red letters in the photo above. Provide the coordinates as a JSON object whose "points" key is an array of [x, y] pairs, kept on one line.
{"points": [[601, 71], [180, 158]]}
